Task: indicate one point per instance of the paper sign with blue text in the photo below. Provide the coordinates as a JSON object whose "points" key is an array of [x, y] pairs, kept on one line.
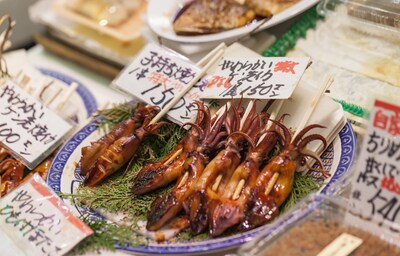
{"points": [[255, 78], [35, 221], [375, 196], [156, 76], [27, 128]]}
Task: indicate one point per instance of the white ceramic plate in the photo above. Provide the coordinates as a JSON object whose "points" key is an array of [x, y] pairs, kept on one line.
{"points": [[160, 16], [82, 103], [63, 176]]}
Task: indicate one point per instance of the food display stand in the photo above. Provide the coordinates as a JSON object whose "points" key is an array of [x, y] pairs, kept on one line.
{"points": [[203, 127]]}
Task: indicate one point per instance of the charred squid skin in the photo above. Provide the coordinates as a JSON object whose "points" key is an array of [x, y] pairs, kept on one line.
{"points": [[112, 160], [258, 210], [12, 174], [122, 150], [158, 176], [196, 208], [193, 169], [162, 210], [166, 207], [91, 153], [223, 215], [228, 210], [263, 204]]}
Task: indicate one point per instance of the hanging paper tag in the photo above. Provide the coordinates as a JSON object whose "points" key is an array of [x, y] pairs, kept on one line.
{"points": [[375, 194], [255, 78], [156, 76], [34, 221], [27, 128]]}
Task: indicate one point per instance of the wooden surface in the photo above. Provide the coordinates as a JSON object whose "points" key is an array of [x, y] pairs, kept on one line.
{"points": [[78, 56]]}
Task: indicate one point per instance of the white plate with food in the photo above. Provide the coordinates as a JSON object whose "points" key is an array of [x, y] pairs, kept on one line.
{"points": [[120, 19], [161, 20], [64, 176]]}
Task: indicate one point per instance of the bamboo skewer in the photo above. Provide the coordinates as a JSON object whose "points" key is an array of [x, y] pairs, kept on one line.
{"points": [[23, 83], [52, 97], [273, 116], [238, 189], [42, 87], [203, 61], [68, 92], [271, 183], [207, 61], [183, 180], [172, 103], [216, 183], [246, 113], [327, 82]]}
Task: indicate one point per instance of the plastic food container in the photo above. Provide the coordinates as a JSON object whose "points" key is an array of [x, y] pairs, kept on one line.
{"points": [[323, 222], [372, 16]]}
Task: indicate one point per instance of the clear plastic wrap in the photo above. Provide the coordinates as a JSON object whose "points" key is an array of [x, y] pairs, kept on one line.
{"points": [[320, 221]]}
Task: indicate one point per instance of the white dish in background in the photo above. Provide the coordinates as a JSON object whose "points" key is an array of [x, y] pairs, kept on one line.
{"points": [[85, 38], [126, 31], [160, 16]]}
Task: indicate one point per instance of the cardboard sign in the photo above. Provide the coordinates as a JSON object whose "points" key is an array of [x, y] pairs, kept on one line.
{"points": [[156, 75], [34, 221], [255, 78], [376, 186], [27, 128]]}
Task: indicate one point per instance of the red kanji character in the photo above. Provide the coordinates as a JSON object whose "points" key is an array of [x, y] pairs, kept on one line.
{"points": [[220, 81], [285, 66], [394, 125], [178, 87], [380, 120], [157, 78]]}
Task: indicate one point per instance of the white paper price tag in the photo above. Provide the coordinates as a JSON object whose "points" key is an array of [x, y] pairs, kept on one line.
{"points": [[376, 186], [255, 78], [156, 75], [28, 128], [34, 221]]}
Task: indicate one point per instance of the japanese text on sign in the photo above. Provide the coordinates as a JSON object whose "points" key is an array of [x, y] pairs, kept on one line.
{"points": [[257, 78], [376, 188], [26, 126], [36, 221], [156, 76]]}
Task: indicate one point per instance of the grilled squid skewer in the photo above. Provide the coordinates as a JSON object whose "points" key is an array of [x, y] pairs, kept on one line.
{"points": [[91, 153], [159, 174], [226, 210], [121, 150], [275, 181], [166, 207], [218, 172]]}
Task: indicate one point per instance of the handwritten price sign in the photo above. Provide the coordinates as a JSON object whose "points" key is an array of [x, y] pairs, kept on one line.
{"points": [[28, 128], [255, 78], [156, 75], [376, 188], [34, 221]]}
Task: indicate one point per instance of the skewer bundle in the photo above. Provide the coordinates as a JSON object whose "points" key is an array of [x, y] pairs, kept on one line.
{"points": [[223, 174]]}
